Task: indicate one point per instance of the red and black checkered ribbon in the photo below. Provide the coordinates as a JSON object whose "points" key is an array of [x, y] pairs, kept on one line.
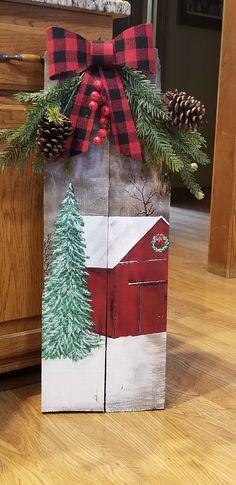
{"points": [[69, 53]]}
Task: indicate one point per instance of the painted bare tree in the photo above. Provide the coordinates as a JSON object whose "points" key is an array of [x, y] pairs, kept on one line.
{"points": [[139, 190]]}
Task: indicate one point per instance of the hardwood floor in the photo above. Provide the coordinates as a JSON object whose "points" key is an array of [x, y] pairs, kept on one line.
{"points": [[191, 442]]}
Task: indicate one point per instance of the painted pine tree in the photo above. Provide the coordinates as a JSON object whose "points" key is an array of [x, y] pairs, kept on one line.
{"points": [[66, 299]]}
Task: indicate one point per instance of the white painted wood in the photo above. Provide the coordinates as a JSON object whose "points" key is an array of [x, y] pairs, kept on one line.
{"points": [[96, 235], [135, 377], [104, 184], [74, 386], [135, 373], [124, 233]]}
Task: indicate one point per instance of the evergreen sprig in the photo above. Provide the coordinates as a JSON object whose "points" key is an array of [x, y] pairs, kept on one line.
{"points": [[4, 134], [177, 149], [143, 96], [154, 138], [21, 141], [162, 143], [190, 181]]}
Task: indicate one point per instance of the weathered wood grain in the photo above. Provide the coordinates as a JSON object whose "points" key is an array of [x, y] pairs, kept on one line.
{"points": [[135, 377], [117, 188], [135, 365], [79, 386], [145, 191], [136, 373]]}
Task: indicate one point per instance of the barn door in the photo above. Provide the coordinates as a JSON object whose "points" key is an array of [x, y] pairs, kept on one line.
{"points": [[138, 301], [152, 305]]}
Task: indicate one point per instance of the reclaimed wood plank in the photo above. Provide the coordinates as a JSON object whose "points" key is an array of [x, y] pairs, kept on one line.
{"points": [[80, 386], [111, 191]]}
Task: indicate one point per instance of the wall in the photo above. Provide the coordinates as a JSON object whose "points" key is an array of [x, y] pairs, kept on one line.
{"points": [[191, 63]]}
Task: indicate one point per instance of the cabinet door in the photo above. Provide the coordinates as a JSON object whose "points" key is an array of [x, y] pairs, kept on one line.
{"points": [[20, 256]]}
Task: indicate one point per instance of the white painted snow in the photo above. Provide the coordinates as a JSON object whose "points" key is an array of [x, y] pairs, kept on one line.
{"points": [[74, 386], [135, 378], [135, 374], [109, 239], [96, 234]]}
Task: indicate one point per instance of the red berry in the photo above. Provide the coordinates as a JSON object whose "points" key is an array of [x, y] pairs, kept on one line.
{"points": [[98, 84], [95, 96], [102, 133], [97, 140], [105, 110], [93, 105], [103, 98], [103, 122]]}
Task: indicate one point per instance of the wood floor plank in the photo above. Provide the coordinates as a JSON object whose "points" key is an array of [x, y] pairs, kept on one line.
{"points": [[191, 442]]}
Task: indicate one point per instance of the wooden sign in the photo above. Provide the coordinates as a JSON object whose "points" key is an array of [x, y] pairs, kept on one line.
{"points": [[105, 293]]}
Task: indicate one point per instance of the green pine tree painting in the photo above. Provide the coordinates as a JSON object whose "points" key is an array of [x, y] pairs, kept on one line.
{"points": [[66, 312]]}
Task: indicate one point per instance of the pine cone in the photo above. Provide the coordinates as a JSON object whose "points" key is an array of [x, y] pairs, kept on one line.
{"points": [[52, 136], [186, 112]]}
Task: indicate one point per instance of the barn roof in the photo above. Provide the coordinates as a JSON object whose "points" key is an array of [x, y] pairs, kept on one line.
{"points": [[124, 233]]}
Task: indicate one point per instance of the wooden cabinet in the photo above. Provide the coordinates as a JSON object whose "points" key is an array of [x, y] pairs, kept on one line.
{"points": [[22, 30]]}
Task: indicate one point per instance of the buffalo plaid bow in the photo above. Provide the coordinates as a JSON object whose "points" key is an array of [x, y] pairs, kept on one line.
{"points": [[69, 53]]}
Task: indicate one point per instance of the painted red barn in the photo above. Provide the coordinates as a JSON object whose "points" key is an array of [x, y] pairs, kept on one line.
{"points": [[128, 271]]}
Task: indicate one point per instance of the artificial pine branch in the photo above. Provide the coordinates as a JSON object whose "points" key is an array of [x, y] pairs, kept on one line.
{"points": [[148, 106], [21, 142], [4, 134], [177, 149], [51, 96], [190, 182], [154, 137], [54, 115], [189, 144], [38, 163], [195, 138], [142, 95]]}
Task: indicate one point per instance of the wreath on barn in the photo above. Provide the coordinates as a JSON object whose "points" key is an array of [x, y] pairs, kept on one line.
{"points": [[160, 243]]}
